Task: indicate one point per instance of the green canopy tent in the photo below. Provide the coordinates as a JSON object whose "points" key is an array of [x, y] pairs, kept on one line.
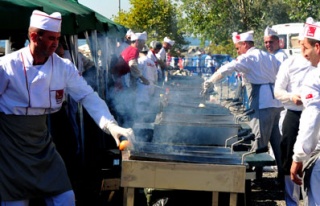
{"points": [[76, 17]]}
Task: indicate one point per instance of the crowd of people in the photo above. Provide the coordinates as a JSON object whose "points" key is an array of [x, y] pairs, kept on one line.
{"points": [[136, 75], [284, 96]]}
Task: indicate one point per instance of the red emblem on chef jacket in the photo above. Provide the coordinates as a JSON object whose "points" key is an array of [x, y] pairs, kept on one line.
{"points": [[309, 96]]}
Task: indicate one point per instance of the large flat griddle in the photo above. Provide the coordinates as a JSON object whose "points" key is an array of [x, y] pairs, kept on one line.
{"points": [[184, 158], [196, 110], [184, 153], [196, 154], [194, 133], [196, 118]]}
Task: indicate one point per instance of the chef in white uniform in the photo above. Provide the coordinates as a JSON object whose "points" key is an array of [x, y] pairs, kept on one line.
{"points": [[162, 56], [33, 82], [306, 152], [259, 70], [272, 44], [155, 47], [287, 89], [288, 84], [145, 93]]}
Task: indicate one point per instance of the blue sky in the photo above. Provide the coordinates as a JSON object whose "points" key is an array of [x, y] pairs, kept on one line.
{"points": [[106, 7]]}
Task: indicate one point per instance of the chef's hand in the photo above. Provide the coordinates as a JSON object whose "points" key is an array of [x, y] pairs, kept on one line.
{"points": [[296, 99], [116, 131], [296, 172], [144, 80]]}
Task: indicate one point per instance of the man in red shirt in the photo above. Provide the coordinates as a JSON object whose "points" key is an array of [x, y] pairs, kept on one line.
{"points": [[128, 60]]}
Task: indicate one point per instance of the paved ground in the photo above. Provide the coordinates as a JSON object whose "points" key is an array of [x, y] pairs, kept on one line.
{"points": [[265, 193]]}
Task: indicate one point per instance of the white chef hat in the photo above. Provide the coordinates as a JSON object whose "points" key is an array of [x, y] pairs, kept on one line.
{"points": [[155, 45], [129, 32], [169, 41], [139, 36], [246, 36], [312, 31], [45, 21], [310, 20], [270, 32]]}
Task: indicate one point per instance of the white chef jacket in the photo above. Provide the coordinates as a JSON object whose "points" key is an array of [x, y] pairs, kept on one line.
{"points": [[153, 57], [26, 89], [257, 67], [162, 55], [289, 80], [281, 55], [308, 139], [149, 71], [148, 68]]}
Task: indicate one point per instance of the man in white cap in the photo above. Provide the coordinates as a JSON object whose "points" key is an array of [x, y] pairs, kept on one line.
{"points": [[287, 89], [166, 46], [271, 42], [33, 83], [128, 64], [145, 93], [305, 166], [155, 47], [162, 55], [259, 70]]}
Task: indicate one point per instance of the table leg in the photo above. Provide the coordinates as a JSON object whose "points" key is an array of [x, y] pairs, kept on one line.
{"points": [[233, 199], [128, 196], [215, 198]]}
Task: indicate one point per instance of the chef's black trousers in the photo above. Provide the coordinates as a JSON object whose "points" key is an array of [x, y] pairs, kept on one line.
{"points": [[290, 128]]}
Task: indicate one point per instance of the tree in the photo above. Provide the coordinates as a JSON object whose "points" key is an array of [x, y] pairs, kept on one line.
{"points": [[302, 9], [216, 20], [157, 17]]}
